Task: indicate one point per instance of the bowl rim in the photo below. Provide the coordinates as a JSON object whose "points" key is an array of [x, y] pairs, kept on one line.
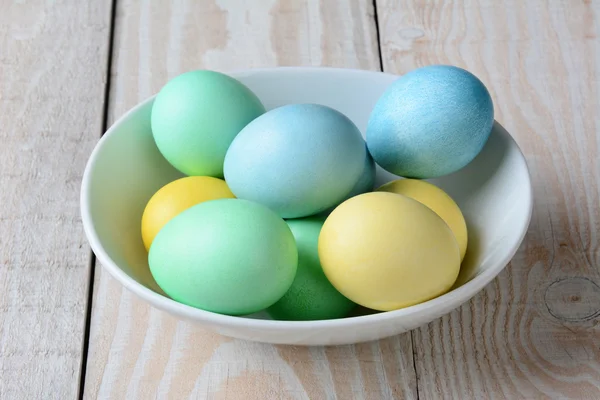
{"points": [[446, 301]]}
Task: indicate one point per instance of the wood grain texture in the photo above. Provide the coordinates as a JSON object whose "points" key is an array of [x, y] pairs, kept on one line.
{"points": [[534, 332], [137, 352], [53, 59]]}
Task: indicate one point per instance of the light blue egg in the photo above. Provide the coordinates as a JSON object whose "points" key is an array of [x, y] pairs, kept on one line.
{"points": [[430, 122], [366, 181], [297, 159]]}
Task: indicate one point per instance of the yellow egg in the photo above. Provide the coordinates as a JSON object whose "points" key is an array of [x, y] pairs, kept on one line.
{"points": [[436, 199], [386, 251], [176, 197]]}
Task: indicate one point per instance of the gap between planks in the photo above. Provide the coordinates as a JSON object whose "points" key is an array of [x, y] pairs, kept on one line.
{"points": [[92, 266]]}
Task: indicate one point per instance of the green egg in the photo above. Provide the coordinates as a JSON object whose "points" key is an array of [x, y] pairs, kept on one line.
{"points": [[196, 116], [311, 296], [228, 256]]}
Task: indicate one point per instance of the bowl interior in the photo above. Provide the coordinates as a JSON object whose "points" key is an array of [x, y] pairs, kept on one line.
{"points": [[126, 169]]}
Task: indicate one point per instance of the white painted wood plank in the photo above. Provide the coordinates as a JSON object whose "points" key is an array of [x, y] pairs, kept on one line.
{"points": [[53, 58], [535, 331]]}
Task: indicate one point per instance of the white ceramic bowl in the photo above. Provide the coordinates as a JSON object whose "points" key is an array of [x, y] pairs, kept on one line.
{"points": [[126, 169]]}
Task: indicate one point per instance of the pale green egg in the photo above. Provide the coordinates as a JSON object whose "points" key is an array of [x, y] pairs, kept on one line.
{"points": [[196, 116], [228, 256], [311, 296]]}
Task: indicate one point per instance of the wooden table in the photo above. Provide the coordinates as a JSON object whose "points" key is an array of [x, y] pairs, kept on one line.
{"points": [[68, 69]]}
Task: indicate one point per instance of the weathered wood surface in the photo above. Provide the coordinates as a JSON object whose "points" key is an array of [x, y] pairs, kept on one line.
{"points": [[534, 332], [137, 352], [53, 64]]}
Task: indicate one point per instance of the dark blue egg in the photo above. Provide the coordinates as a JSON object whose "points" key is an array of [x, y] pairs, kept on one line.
{"points": [[430, 122]]}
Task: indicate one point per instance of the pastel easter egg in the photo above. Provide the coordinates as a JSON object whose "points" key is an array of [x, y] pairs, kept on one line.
{"points": [[311, 296], [436, 199], [195, 117], [298, 160], [386, 251], [366, 181], [430, 122], [177, 196], [227, 256]]}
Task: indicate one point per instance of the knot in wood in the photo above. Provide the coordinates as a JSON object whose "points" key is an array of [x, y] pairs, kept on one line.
{"points": [[575, 299]]}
